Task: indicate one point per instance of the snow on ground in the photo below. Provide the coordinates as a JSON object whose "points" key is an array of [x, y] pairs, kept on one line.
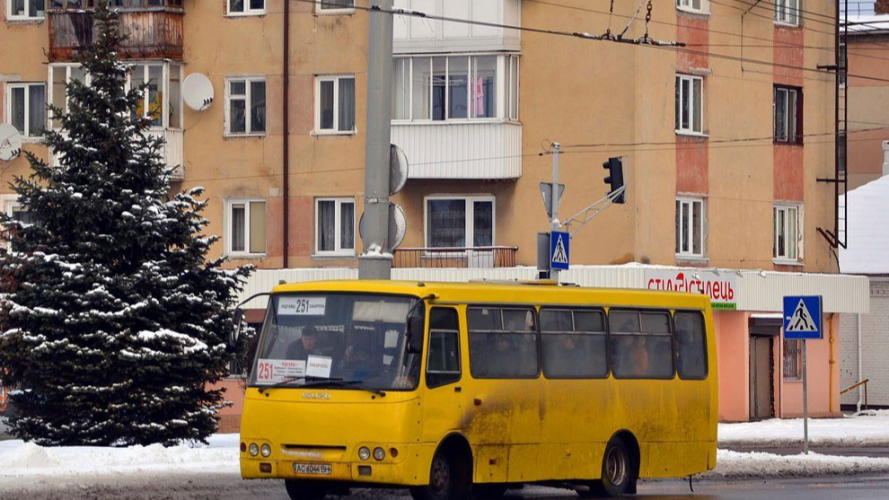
{"points": [[871, 429], [737, 465], [20, 459]]}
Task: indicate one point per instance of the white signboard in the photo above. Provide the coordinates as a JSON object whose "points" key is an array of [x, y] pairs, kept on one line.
{"points": [[301, 306], [273, 371], [319, 366], [722, 288]]}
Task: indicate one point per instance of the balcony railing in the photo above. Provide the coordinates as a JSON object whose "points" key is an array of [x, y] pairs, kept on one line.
{"points": [[152, 28], [456, 257]]}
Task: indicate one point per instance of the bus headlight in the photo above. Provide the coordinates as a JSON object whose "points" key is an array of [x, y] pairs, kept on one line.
{"points": [[266, 450], [364, 453], [254, 449], [379, 453]]}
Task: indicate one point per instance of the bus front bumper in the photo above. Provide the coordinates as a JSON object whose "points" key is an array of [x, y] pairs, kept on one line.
{"points": [[412, 470]]}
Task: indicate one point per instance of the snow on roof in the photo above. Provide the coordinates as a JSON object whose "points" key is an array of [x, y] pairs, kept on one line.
{"points": [[866, 23], [867, 229]]}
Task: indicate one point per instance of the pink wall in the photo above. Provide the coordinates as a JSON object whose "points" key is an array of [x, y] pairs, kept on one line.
{"points": [[824, 390], [732, 348]]}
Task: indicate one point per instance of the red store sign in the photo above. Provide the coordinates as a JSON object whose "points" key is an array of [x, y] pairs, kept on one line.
{"points": [[722, 288]]}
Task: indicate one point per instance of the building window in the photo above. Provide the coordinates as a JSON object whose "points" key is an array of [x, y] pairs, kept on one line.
{"points": [[335, 104], [24, 10], [460, 222], [696, 6], [26, 108], [335, 226], [689, 227], [246, 227], [793, 359], [788, 104], [788, 233], [245, 106], [335, 6], [689, 104], [787, 12], [246, 7], [456, 88]]}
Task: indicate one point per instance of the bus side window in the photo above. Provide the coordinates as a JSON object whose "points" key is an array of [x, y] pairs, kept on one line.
{"points": [[641, 344], [691, 348], [443, 360], [574, 344], [502, 343]]}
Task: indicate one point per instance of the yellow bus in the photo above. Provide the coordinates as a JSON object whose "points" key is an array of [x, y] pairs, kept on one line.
{"points": [[450, 389]]}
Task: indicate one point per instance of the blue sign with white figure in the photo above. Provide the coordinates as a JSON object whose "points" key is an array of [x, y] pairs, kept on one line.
{"points": [[559, 246], [802, 317]]}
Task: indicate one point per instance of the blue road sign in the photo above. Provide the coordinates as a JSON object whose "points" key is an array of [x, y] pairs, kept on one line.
{"points": [[559, 246], [802, 317]]}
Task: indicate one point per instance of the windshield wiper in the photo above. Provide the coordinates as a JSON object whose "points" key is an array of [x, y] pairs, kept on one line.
{"points": [[345, 383], [286, 383]]}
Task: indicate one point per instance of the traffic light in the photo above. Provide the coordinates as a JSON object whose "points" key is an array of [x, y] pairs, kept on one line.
{"points": [[615, 177]]}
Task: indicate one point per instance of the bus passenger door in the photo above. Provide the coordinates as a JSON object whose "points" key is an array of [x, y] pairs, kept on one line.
{"points": [[443, 395]]}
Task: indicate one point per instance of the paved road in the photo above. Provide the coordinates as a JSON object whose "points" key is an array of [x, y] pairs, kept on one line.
{"points": [[216, 487]]}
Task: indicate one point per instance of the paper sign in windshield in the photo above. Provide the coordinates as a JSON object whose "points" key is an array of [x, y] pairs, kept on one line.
{"points": [[319, 366], [274, 371], [302, 306]]}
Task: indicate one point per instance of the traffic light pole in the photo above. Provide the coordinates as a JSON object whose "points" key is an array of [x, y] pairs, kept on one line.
{"points": [[555, 225]]}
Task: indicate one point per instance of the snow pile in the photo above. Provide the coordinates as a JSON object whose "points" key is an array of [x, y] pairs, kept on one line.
{"points": [[737, 465], [871, 429], [30, 460]]}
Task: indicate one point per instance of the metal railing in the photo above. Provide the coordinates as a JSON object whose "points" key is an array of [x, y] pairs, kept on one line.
{"points": [[456, 257], [856, 386]]}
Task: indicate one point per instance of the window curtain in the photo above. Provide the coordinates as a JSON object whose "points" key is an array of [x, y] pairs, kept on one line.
{"points": [[447, 223], [37, 110], [326, 226], [347, 226], [239, 228], [347, 104]]}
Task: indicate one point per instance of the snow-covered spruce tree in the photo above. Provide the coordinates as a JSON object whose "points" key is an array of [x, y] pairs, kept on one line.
{"points": [[113, 320]]}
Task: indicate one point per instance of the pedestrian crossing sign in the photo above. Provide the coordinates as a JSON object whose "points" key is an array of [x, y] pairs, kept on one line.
{"points": [[802, 317], [560, 245]]}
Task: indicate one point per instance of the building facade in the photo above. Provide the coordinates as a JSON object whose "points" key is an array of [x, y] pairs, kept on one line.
{"points": [[723, 140]]}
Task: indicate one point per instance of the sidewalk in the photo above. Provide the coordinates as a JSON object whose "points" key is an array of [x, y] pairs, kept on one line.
{"points": [[870, 430]]}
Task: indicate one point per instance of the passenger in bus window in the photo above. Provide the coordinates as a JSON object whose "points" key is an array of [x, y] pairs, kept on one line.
{"points": [[572, 356], [639, 357]]}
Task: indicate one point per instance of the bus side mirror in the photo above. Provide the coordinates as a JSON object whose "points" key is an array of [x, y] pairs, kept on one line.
{"points": [[236, 331], [415, 334]]}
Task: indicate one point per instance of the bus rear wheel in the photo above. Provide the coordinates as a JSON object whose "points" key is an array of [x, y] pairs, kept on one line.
{"points": [[618, 472], [305, 490], [447, 480]]}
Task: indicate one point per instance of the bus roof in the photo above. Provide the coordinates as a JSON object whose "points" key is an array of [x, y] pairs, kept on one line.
{"points": [[498, 293]]}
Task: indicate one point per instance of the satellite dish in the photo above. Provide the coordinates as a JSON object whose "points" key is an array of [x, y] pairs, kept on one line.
{"points": [[197, 91], [398, 166], [397, 226], [10, 142]]}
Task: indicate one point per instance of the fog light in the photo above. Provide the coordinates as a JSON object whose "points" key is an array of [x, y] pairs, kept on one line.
{"points": [[364, 470], [364, 453], [379, 453], [266, 450], [264, 467], [243, 447], [254, 449]]}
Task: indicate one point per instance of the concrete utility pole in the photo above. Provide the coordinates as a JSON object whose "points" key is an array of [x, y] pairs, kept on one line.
{"points": [[555, 224], [376, 261]]}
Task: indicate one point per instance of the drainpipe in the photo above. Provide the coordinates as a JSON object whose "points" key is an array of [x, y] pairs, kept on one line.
{"points": [[830, 365], [860, 368], [286, 166], [885, 158]]}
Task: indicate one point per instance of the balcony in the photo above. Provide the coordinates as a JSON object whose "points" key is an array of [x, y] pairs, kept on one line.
{"points": [[460, 258], [153, 28], [423, 35], [173, 151]]}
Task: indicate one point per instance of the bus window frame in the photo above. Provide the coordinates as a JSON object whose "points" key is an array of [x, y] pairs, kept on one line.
{"points": [[571, 309], [504, 307], [672, 335], [700, 313], [426, 370]]}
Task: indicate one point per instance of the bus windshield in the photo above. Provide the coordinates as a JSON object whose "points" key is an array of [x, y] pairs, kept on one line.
{"points": [[360, 338]]}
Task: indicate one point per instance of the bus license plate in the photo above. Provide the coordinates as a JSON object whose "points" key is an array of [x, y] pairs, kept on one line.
{"points": [[314, 469]]}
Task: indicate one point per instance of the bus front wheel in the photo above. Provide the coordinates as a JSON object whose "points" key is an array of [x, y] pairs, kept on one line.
{"points": [[447, 480], [305, 490]]}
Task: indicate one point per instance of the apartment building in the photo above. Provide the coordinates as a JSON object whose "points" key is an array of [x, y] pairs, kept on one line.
{"points": [[724, 139]]}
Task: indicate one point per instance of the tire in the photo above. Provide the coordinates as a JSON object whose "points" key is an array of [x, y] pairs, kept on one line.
{"points": [[489, 491], [447, 481], [618, 470], [305, 490]]}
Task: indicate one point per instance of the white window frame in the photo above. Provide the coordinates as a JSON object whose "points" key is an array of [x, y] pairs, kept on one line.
{"points": [[28, 15], [336, 105], [334, 11], [688, 6], [798, 244], [227, 220], [470, 218], [504, 107], [27, 86], [338, 250], [787, 12], [689, 201], [247, 79], [247, 10], [680, 77]]}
